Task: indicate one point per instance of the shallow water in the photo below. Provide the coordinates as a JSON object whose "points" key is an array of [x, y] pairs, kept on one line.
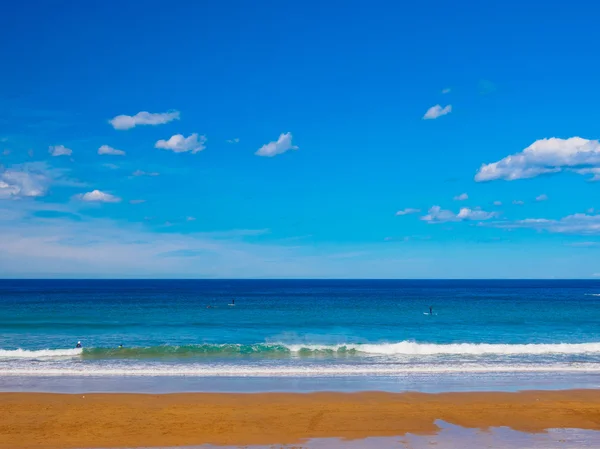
{"points": [[451, 437]]}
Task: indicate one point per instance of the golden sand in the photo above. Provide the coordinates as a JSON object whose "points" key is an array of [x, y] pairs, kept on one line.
{"points": [[32, 420]]}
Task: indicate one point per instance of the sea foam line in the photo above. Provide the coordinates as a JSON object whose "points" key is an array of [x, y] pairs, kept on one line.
{"points": [[294, 371], [43, 353]]}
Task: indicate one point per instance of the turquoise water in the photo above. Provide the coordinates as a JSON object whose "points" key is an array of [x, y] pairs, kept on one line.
{"points": [[300, 329]]}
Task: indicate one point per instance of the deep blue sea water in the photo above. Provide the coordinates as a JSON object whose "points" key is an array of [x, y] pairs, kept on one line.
{"points": [[305, 329]]}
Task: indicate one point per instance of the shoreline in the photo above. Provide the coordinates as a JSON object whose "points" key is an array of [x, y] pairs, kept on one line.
{"points": [[36, 420]]}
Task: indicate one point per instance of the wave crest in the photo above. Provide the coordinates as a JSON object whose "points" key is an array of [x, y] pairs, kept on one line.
{"points": [[404, 348]]}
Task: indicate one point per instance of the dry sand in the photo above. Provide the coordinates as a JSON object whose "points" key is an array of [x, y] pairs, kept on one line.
{"points": [[32, 420]]}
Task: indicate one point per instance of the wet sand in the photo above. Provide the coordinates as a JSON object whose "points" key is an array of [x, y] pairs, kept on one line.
{"points": [[36, 420]]}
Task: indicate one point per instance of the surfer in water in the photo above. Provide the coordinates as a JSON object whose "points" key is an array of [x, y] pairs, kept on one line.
{"points": [[78, 345], [430, 310]]}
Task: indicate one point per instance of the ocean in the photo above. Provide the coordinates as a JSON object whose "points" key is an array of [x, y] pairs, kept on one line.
{"points": [[183, 335]]}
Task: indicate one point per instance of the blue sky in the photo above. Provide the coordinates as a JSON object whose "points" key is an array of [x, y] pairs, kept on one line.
{"points": [[300, 139]]}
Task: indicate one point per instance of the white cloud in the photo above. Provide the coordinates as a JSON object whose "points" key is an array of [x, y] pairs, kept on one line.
{"points": [[461, 197], [438, 215], [407, 211], [145, 173], [105, 149], [97, 196], [542, 197], [236, 140], [437, 111], [466, 213], [546, 156], [143, 118], [283, 144], [59, 150], [582, 224], [446, 90], [180, 144], [518, 202], [497, 203], [26, 180], [190, 218]]}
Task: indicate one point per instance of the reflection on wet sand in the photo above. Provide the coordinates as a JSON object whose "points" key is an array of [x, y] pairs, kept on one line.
{"points": [[450, 437]]}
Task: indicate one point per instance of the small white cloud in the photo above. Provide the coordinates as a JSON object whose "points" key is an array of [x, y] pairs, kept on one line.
{"points": [[60, 150], [438, 215], [518, 202], [446, 90], [145, 173], [105, 149], [283, 144], [475, 214], [546, 156], [180, 144], [497, 203], [437, 111], [542, 197], [461, 197], [123, 122], [98, 197], [236, 140], [136, 201], [190, 218], [595, 172], [407, 211]]}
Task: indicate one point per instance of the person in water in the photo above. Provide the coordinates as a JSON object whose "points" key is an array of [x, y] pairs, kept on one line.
{"points": [[78, 345], [430, 310]]}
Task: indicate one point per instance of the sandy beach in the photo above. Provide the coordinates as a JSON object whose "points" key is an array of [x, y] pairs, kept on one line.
{"points": [[36, 420]]}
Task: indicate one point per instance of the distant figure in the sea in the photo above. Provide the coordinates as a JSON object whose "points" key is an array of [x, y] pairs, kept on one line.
{"points": [[430, 310], [120, 346], [232, 303], [78, 345]]}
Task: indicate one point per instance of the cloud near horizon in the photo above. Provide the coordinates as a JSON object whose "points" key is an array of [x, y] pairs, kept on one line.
{"points": [[546, 156], [582, 224], [124, 122]]}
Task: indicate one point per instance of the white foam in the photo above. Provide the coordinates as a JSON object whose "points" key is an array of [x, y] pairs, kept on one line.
{"points": [[43, 353], [292, 371], [414, 348]]}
